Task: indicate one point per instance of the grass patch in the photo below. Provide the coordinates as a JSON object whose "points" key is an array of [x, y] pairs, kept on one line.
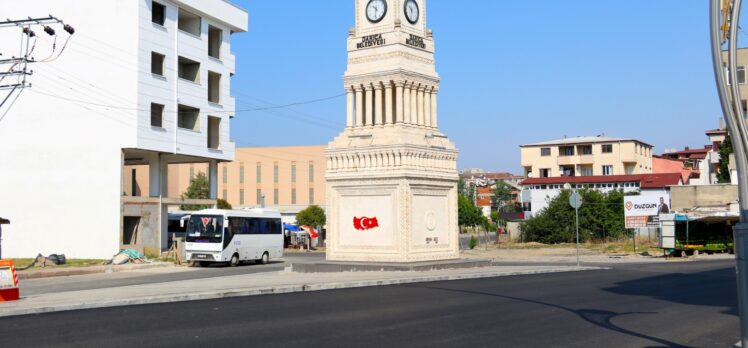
{"points": [[23, 262]]}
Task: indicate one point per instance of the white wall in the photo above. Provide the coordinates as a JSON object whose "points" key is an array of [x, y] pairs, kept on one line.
{"points": [[60, 175]]}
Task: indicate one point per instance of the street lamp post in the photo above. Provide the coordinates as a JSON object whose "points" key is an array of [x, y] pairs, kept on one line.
{"points": [[724, 25]]}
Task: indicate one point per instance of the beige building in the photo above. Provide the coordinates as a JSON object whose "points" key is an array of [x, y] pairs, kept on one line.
{"points": [[290, 178], [742, 62], [586, 156]]}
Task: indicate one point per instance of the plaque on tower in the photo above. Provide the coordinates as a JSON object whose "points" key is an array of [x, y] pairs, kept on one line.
{"points": [[391, 174]]}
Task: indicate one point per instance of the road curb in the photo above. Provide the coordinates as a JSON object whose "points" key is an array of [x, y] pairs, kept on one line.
{"points": [[285, 289], [66, 272]]}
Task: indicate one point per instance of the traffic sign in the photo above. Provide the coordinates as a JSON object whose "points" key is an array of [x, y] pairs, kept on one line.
{"points": [[575, 200]]}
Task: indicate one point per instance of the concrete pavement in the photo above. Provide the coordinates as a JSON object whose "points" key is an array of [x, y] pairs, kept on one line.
{"points": [[104, 292]]}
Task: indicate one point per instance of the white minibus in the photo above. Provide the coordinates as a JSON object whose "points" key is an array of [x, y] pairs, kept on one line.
{"points": [[233, 236]]}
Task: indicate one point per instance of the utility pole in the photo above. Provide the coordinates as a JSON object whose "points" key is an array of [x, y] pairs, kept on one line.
{"points": [[724, 24], [19, 66]]}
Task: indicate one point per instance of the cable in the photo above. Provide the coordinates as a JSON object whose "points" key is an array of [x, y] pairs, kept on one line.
{"points": [[294, 104], [216, 111]]}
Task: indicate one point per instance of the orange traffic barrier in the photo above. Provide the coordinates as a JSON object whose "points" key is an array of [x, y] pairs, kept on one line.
{"points": [[9, 290]]}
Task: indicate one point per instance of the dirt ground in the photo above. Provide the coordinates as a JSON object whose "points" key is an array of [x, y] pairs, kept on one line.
{"points": [[597, 253]]}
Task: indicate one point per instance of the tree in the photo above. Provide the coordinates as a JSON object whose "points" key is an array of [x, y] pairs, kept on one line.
{"points": [[467, 213], [223, 204], [725, 150], [502, 193], [199, 189], [601, 216], [461, 187], [313, 216]]}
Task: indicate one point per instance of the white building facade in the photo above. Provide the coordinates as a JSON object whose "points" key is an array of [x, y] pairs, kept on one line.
{"points": [[140, 82]]}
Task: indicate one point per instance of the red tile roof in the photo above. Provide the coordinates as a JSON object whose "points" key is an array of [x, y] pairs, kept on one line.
{"points": [[716, 131], [645, 180], [689, 151]]}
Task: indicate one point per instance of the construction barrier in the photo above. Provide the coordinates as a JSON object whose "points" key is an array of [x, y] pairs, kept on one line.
{"points": [[8, 281]]}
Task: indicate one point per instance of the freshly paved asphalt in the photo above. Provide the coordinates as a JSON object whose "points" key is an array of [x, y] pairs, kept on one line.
{"points": [[637, 305]]}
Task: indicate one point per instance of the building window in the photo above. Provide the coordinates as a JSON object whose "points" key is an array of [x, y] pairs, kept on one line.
{"points": [[311, 171], [225, 174], [225, 195], [311, 196], [293, 196], [275, 172], [214, 132], [188, 69], [607, 170], [607, 148], [585, 149], [567, 170], [134, 184], [275, 196], [545, 151], [189, 22], [241, 196], [585, 171], [545, 173], [214, 87], [158, 13], [157, 63], [188, 117], [566, 151], [259, 173], [259, 197], [192, 173], [157, 115], [293, 171], [215, 39], [241, 173]]}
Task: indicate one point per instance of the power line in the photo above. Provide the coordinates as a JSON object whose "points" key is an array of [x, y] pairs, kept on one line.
{"points": [[216, 111]]}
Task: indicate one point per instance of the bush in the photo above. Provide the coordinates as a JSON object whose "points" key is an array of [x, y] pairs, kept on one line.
{"points": [[223, 204], [473, 242], [600, 217]]}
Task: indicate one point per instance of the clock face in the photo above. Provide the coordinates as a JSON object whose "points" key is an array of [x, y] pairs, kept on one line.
{"points": [[375, 10], [411, 11]]}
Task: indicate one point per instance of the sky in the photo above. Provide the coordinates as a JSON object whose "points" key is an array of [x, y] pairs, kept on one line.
{"points": [[512, 72]]}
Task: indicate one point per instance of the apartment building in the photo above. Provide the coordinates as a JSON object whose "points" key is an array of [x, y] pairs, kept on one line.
{"points": [[586, 156], [288, 178], [141, 83]]}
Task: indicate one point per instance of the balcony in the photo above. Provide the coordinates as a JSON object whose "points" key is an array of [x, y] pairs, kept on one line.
{"points": [[568, 160], [587, 159]]}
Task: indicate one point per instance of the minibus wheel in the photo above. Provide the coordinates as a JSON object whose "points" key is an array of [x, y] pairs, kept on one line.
{"points": [[234, 260], [265, 259]]}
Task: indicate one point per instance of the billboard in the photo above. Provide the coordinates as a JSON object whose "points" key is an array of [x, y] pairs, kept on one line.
{"points": [[639, 210], [646, 205]]}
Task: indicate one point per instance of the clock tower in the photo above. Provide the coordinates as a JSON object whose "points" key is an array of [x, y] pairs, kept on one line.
{"points": [[391, 174]]}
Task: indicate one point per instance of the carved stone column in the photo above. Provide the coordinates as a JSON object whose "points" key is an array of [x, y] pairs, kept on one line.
{"points": [[378, 115], [349, 107], [359, 106], [388, 116], [369, 106]]}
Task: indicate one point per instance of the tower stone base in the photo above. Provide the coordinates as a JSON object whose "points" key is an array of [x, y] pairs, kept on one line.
{"points": [[392, 196]]}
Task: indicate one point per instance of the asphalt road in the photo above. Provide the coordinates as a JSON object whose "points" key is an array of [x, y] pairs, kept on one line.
{"points": [[645, 305]]}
